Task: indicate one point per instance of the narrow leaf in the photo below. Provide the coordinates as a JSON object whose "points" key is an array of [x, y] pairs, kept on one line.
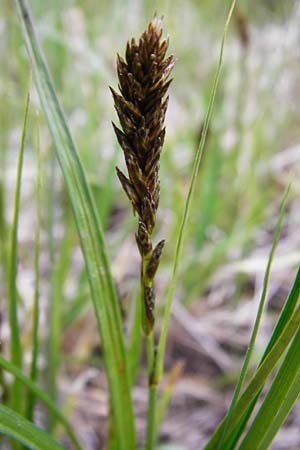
{"points": [[92, 241], [258, 379], [15, 426], [187, 207], [287, 311], [282, 414], [40, 394], [251, 345], [15, 341], [36, 311], [288, 372]]}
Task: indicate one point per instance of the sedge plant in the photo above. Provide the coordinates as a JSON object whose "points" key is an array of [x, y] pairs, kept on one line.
{"points": [[141, 107]]}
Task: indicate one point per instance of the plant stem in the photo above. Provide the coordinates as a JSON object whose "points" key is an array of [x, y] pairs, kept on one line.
{"points": [[135, 341], [187, 207], [152, 388], [151, 417], [36, 307], [16, 346], [152, 394]]}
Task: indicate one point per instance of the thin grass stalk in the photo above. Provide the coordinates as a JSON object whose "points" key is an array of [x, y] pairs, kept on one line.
{"points": [[15, 340], [36, 308], [258, 318], [164, 401], [5, 115], [53, 307], [135, 341], [186, 213], [58, 278]]}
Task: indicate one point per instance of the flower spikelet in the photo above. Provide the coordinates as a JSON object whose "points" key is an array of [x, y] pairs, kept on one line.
{"points": [[141, 107]]}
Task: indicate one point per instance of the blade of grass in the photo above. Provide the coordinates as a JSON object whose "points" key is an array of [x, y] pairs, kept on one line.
{"points": [[58, 279], [44, 398], [198, 158], [91, 238], [52, 347], [283, 319], [282, 414], [286, 313], [288, 372], [261, 306], [15, 426], [258, 380], [35, 325], [164, 402], [15, 341]]}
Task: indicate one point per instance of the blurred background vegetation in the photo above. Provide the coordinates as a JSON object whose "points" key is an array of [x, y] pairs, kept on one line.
{"points": [[252, 149]]}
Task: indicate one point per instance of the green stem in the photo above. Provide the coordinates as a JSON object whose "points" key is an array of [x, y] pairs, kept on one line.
{"points": [[36, 311], [251, 345], [152, 394], [15, 346], [150, 354], [134, 347], [186, 212], [152, 388], [151, 417]]}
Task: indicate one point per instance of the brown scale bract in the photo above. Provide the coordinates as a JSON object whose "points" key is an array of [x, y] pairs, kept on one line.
{"points": [[141, 108]]}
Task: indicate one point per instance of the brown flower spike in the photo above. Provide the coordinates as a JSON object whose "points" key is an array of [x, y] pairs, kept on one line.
{"points": [[141, 107]]}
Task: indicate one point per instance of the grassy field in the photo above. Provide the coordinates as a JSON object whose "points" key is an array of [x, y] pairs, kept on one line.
{"points": [[251, 154]]}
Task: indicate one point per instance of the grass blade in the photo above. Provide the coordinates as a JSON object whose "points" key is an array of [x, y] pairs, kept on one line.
{"points": [[282, 414], [92, 241], [15, 426], [44, 398], [258, 380], [15, 341], [284, 317], [286, 313], [261, 306], [35, 326], [198, 158], [288, 372]]}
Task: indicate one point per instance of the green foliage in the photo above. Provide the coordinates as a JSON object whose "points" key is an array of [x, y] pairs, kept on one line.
{"points": [[220, 192], [14, 425]]}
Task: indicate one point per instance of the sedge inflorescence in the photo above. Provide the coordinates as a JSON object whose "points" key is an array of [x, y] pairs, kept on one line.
{"points": [[141, 107]]}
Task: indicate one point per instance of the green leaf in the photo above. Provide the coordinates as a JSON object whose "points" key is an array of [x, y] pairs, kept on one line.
{"points": [[275, 398], [258, 379], [92, 241], [40, 394], [282, 414], [262, 301], [15, 426], [36, 306], [287, 311], [187, 206], [15, 341]]}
